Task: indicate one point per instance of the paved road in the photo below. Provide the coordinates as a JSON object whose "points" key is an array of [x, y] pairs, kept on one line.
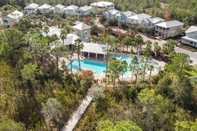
{"points": [[193, 55]]}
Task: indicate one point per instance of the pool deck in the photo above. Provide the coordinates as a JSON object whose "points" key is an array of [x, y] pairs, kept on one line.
{"points": [[160, 66]]}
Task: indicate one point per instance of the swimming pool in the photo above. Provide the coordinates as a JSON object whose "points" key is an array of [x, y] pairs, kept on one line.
{"points": [[100, 67], [95, 67]]}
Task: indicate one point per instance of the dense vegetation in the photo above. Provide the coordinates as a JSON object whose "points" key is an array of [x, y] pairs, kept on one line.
{"points": [[38, 92]]}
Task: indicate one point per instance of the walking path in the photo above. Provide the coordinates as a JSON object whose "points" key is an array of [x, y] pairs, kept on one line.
{"points": [[76, 116]]}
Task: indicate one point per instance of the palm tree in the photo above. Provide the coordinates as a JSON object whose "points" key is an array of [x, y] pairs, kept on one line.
{"points": [[63, 35], [150, 68], [78, 46], [139, 41], [134, 67], [116, 42]]}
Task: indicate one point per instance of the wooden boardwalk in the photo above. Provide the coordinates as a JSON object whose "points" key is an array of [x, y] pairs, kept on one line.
{"points": [[76, 116]]}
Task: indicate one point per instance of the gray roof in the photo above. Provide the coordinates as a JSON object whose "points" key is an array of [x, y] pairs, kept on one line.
{"points": [[15, 15], [191, 29], [113, 11], [140, 16], [70, 39], [45, 6], [84, 8], [60, 6], [95, 48], [82, 26], [72, 7], [169, 24], [32, 5], [156, 20], [128, 13]]}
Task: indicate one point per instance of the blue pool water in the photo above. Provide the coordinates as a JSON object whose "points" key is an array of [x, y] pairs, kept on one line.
{"points": [[99, 67], [96, 67]]}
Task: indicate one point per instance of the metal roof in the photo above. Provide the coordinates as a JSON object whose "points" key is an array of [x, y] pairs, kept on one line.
{"points": [[191, 29], [129, 13], [95, 48], [45, 6], [82, 26], [15, 15], [169, 24], [102, 3], [113, 11], [60, 6], [72, 7], [156, 20], [84, 8], [70, 39], [32, 5], [140, 16]]}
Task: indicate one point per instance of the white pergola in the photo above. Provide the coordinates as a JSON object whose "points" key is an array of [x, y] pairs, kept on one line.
{"points": [[95, 48]]}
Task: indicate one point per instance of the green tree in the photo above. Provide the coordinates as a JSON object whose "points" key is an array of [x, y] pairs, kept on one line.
{"points": [[135, 67], [139, 41], [52, 109], [179, 63], [24, 25], [186, 125], [78, 46], [124, 125], [63, 35], [59, 50], [115, 69], [10, 125]]}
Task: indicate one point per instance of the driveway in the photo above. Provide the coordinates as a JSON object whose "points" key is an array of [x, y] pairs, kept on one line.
{"points": [[193, 55]]}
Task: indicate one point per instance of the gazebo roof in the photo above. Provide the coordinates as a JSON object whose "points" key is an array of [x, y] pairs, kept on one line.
{"points": [[95, 48], [82, 26]]}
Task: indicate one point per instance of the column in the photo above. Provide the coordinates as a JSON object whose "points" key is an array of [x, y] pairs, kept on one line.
{"points": [[88, 55], [96, 56]]}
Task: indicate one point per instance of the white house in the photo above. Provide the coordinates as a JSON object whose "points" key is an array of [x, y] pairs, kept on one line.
{"points": [[169, 29], [102, 6], [123, 16], [151, 22], [44, 8], [82, 30], [137, 19], [111, 13], [70, 10], [84, 10], [32, 8], [59, 8], [12, 18], [190, 37]]}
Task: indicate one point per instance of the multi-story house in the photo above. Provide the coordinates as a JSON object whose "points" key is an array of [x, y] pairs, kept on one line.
{"points": [[59, 8], [102, 6], [84, 10], [71, 10], [44, 8], [111, 13], [190, 37], [169, 29], [12, 18], [123, 16], [151, 22], [137, 19], [32, 8]]}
